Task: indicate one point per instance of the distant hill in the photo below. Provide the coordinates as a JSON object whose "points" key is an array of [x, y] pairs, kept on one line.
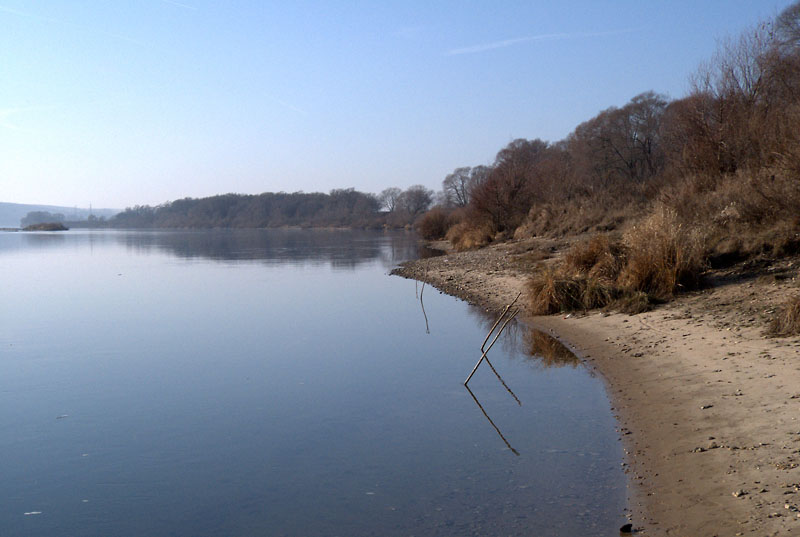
{"points": [[12, 213]]}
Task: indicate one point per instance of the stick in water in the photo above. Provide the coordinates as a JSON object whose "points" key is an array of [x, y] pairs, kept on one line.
{"points": [[497, 335]]}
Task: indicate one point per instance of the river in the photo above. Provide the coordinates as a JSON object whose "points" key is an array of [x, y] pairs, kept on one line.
{"points": [[280, 382]]}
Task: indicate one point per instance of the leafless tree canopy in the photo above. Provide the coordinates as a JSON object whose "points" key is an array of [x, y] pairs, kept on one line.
{"points": [[388, 198], [416, 199]]}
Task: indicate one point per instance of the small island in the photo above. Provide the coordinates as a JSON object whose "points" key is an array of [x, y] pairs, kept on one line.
{"points": [[46, 226]]}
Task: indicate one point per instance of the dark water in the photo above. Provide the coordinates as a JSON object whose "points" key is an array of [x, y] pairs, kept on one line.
{"points": [[279, 383]]}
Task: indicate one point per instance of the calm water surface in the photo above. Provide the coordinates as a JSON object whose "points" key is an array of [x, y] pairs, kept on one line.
{"points": [[279, 383]]}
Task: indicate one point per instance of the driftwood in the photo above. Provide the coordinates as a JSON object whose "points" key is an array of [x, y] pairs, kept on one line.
{"points": [[505, 318]]}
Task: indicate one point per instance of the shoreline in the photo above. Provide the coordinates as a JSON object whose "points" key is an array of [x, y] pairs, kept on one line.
{"points": [[708, 408]]}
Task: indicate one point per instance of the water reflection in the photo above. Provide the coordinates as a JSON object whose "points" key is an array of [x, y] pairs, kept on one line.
{"points": [[422, 305], [549, 351], [218, 397], [340, 249], [496, 428], [519, 340]]}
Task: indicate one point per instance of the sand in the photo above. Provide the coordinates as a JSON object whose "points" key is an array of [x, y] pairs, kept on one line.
{"points": [[708, 407]]}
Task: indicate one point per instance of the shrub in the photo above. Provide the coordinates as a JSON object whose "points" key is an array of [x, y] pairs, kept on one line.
{"points": [[786, 322], [469, 235], [664, 256], [433, 224], [597, 293], [633, 302], [549, 292], [552, 291], [598, 257]]}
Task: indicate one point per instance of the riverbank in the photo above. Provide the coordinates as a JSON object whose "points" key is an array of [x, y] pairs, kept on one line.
{"points": [[708, 407]]}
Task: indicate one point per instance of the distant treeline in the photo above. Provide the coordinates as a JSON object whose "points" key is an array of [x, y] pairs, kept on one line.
{"points": [[339, 208]]}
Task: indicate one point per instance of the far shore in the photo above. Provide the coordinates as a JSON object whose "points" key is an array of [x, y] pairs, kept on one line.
{"points": [[708, 406]]}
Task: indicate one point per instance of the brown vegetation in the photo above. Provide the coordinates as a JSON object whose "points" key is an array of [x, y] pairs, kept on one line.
{"points": [[787, 320], [466, 235], [670, 188], [655, 259], [664, 256], [433, 224]]}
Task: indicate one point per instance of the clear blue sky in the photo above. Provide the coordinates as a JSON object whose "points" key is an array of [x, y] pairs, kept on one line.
{"points": [[117, 103]]}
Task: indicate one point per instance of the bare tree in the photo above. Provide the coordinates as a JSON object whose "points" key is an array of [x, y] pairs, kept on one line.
{"points": [[388, 198], [416, 199], [477, 176], [505, 197], [787, 28], [621, 143], [456, 187]]}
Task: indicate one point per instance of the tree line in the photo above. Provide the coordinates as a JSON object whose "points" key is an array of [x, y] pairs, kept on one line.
{"points": [[338, 208]]}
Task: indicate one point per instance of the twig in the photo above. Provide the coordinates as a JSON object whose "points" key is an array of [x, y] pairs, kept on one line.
{"points": [[497, 335], [505, 310]]}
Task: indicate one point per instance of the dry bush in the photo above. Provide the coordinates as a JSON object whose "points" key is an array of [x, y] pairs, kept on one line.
{"points": [[550, 292], [633, 302], [551, 351], [664, 256], [786, 322], [598, 257], [597, 293], [574, 209], [433, 225], [743, 214], [468, 235]]}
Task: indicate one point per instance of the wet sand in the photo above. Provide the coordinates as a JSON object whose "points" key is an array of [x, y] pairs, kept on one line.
{"points": [[708, 407]]}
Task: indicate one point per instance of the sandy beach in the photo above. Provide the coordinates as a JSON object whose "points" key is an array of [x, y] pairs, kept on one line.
{"points": [[708, 406]]}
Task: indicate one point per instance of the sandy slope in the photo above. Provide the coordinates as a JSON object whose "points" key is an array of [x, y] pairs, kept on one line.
{"points": [[709, 409]]}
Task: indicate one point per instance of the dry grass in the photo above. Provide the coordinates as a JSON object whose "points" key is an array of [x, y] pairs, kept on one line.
{"points": [[469, 235], [746, 214], [599, 257], [664, 256], [550, 292], [597, 293], [656, 259], [633, 302], [787, 320]]}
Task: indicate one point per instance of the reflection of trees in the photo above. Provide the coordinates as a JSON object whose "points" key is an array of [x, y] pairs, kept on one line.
{"points": [[519, 340], [549, 351], [510, 339], [341, 249]]}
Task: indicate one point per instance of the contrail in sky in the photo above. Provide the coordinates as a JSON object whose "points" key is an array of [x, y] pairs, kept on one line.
{"points": [[6, 113], [288, 105], [179, 4], [14, 11], [541, 37], [68, 23]]}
